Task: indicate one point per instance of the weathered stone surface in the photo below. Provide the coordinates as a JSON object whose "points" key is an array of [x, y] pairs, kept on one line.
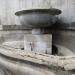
{"points": [[41, 43], [37, 43], [18, 62]]}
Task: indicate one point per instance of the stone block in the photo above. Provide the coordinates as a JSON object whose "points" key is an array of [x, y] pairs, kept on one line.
{"points": [[38, 43]]}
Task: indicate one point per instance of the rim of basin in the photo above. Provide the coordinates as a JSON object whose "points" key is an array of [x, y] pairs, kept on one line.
{"points": [[51, 11]]}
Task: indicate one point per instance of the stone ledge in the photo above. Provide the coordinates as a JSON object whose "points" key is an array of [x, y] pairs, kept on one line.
{"points": [[63, 62]]}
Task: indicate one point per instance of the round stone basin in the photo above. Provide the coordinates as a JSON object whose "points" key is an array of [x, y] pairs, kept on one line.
{"points": [[38, 17]]}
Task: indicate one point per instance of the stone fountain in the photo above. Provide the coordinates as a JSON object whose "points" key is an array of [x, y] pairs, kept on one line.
{"points": [[32, 60], [37, 19]]}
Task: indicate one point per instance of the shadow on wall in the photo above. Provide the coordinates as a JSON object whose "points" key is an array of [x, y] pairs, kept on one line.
{"points": [[61, 25], [64, 35], [63, 51]]}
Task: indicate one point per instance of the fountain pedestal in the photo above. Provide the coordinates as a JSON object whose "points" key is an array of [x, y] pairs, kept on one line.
{"points": [[39, 43]]}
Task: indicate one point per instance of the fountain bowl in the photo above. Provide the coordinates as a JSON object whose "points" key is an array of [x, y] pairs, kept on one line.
{"points": [[38, 17]]}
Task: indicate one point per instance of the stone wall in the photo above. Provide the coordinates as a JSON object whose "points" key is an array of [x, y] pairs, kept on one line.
{"points": [[9, 7]]}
